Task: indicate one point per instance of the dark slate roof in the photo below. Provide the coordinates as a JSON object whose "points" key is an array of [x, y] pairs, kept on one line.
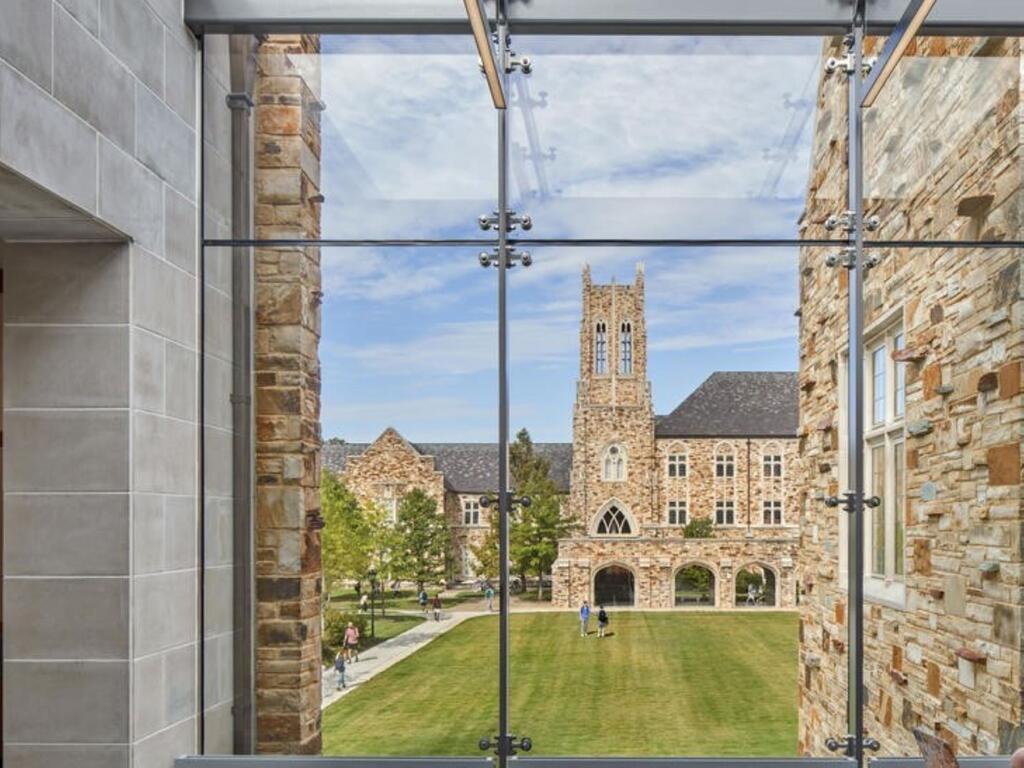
{"points": [[467, 467], [737, 404]]}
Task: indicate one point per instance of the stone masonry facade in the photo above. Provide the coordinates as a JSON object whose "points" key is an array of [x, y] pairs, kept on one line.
{"points": [[943, 616], [287, 372]]}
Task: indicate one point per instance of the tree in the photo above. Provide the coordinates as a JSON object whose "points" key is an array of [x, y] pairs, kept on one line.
{"points": [[344, 541], [699, 528], [424, 539], [486, 552]]}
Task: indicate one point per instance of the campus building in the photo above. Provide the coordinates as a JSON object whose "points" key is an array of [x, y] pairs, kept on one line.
{"points": [[633, 480]]}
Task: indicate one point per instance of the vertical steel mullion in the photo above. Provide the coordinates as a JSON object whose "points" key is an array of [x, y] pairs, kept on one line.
{"points": [[504, 505], [855, 394]]}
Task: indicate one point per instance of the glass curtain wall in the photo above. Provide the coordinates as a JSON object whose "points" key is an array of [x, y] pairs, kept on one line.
{"points": [[680, 388]]}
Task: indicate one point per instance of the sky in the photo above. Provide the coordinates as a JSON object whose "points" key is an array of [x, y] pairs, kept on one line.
{"points": [[610, 138]]}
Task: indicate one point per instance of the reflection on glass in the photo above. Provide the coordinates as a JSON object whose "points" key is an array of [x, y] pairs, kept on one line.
{"points": [[684, 137], [898, 492], [878, 513]]}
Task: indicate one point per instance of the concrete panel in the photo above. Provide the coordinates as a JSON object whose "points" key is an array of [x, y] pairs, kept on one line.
{"points": [[219, 531], [164, 533], [65, 450], [164, 687], [219, 730], [180, 65], [57, 702], [65, 366], [66, 535], [86, 11], [66, 618], [161, 749], [61, 756], [219, 462], [219, 604], [25, 40], [165, 454], [181, 382], [163, 299], [166, 144], [217, 326], [180, 236], [219, 668], [45, 141], [218, 384], [89, 80], [131, 198], [136, 36], [147, 371], [163, 611], [66, 283]]}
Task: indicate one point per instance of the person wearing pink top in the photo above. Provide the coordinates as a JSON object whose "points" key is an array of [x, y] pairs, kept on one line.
{"points": [[352, 642]]}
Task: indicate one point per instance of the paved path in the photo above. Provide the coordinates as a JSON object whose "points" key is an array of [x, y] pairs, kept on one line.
{"points": [[375, 660]]}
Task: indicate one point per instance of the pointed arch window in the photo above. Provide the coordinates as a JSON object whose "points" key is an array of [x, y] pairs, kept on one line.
{"points": [[626, 348], [614, 522], [601, 348], [613, 464]]}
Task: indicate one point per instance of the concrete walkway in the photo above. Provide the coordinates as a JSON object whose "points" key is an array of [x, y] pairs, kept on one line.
{"points": [[375, 660]]}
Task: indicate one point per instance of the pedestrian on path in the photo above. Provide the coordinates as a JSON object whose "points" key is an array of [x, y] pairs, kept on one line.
{"points": [[489, 594], [585, 619], [339, 670], [364, 603], [352, 642], [437, 606], [602, 621], [423, 600]]}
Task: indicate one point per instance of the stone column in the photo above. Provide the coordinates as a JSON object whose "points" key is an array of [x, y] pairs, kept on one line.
{"points": [[287, 368]]}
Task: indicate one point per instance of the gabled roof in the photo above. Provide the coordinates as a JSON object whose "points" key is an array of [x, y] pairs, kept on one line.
{"points": [[467, 467], [737, 404]]}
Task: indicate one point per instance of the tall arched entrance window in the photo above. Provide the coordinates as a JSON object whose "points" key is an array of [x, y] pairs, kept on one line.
{"points": [[756, 587], [695, 585], [614, 585]]}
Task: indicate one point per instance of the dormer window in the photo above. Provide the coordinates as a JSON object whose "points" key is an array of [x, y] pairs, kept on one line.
{"points": [[626, 348], [601, 349]]}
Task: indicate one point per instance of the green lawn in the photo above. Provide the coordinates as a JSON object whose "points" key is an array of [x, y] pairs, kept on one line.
{"points": [[682, 683], [347, 600]]}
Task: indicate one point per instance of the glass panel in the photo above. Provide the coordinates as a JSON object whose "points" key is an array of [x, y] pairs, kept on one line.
{"points": [[408, 357], [878, 472], [645, 653], [899, 524], [395, 136], [878, 366], [676, 137], [942, 142]]}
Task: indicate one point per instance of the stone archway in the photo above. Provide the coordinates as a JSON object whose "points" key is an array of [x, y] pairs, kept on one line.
{"points": [[756, 586], [695, 584], [614, 585]]}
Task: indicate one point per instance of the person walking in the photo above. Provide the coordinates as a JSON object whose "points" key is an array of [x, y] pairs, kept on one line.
{"points": [[489, 594], [602, 621], [339, 670], [751, 594], [352, 642], [423, 600], [364, 602], [436, 605], [585, 619]]}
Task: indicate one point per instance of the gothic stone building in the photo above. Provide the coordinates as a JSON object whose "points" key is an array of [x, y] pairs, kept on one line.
{"points": [[633, 480], [945, 410], [726, 453]]}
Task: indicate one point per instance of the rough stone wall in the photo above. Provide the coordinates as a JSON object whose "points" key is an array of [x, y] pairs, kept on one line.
{"points": [[944, 157], [287, 369], [465, 537], [390, 468]]}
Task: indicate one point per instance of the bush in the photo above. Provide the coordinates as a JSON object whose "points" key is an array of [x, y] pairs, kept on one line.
{"points": [[335, 623], [699, 528]]}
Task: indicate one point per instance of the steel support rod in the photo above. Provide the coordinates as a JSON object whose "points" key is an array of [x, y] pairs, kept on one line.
{"points": [[504, 497], [855, 402]]}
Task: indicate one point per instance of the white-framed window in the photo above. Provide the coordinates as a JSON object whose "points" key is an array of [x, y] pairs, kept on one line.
{"points": [[677, 512], [601, 348], [677, 465], [469, 563], [626, 348], [471, 512], [879, 375], [613, 464], [613, 522], [388, 501], [725, 512], [771, 465], [772, 512], [900, 380], [725, 464]]}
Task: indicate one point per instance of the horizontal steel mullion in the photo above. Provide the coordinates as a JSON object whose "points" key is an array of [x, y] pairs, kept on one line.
{"points": [[611, 17]]}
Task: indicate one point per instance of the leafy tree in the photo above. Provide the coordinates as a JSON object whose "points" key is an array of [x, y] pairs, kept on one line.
{"points": [[345, 539], [697, 579], [486, 552], [334, 441], [424, 539], [523, 463], [537, 529], [699, 528]]}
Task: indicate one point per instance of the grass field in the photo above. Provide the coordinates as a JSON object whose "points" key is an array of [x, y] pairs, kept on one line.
{"points": [[683, 683]]}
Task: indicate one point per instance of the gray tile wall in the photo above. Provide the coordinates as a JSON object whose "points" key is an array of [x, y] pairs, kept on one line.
{"points": [[98, 106]]}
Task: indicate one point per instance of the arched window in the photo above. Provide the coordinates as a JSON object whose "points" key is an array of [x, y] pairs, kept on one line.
{"points": [[613, 522], [626, 348], [601, 348], [613, 463]]}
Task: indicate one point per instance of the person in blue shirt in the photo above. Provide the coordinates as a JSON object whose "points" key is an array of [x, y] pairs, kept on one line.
{"points": [[585, 619]]}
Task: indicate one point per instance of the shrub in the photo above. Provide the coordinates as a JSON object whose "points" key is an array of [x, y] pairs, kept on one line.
{"points": [[699, 528], [333, 637]]}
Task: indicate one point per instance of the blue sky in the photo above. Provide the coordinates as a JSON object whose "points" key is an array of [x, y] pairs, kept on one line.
{"points": [[649, 137]]}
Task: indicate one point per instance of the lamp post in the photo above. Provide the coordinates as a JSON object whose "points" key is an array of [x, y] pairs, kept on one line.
{"points": [[373, 599]]}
